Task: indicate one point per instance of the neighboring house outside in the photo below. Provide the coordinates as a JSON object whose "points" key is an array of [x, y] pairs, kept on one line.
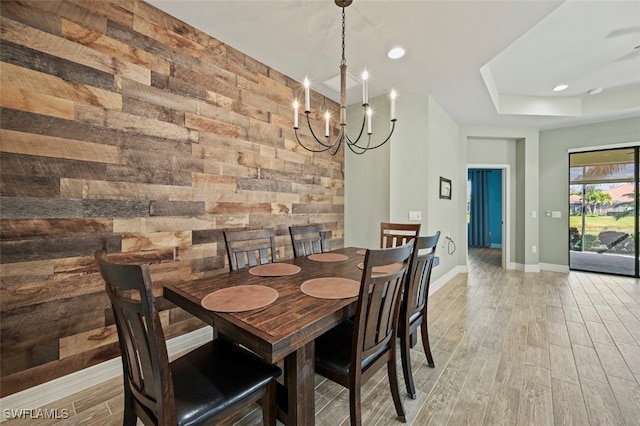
{"points": [[621, 195]]}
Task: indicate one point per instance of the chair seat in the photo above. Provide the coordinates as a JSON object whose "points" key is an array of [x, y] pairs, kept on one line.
{"points": [[213, 377], [333, 349]]}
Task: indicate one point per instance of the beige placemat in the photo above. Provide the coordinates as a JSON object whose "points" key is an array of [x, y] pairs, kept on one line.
{"points": [[362, 252], [274, 270], [386, 269], [331, 288], [239, 298], [328, 257]]}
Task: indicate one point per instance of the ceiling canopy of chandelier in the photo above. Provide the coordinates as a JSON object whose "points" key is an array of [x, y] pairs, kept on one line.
{"points": [[355, 145]]}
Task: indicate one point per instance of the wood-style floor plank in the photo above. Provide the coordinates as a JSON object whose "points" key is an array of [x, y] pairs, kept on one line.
{"points": [[510, 348]]}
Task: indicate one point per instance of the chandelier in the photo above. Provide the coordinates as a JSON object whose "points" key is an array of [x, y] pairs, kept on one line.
{"points": [[355, 145]]}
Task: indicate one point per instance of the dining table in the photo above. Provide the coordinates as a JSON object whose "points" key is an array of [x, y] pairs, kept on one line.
{"points": [[282, 328]]}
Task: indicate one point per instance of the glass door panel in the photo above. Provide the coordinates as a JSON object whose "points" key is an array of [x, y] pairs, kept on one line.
{"points": [[602, 206]]}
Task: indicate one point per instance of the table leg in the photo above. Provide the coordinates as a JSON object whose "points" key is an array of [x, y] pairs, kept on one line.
{"points": [[299, 379]]}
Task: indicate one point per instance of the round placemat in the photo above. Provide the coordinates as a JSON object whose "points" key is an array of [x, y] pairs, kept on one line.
{"points": [[386, 269], [331, 288], [274, 270], [362, 252], [239, 298], [328, 257]]}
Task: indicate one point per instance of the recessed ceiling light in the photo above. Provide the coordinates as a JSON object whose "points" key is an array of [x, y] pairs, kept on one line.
{"points": [[396, 53], [560, 87], [595, 91]]}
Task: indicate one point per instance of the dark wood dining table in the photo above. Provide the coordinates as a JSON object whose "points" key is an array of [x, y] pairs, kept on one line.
{"points": [[285, 329]]}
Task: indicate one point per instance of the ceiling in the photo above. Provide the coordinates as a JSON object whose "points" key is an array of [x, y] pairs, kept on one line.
{"points": [[487, 63]]}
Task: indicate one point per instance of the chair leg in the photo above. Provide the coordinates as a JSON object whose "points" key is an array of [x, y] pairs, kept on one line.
{"points": [[405, 356], [395, 391], [268, 403], [425, 342], [354, 405]]}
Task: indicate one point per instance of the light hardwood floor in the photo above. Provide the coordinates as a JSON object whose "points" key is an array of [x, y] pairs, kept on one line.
{"points": [[510, 348]]}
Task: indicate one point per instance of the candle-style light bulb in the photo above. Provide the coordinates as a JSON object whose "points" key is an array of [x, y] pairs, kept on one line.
{"points": [[393, 95], [307, 102], [365, 87], [369, 120], [327, 116], [295, 114]]}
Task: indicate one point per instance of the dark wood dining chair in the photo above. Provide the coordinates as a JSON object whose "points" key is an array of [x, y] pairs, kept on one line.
{"points": [[210, 383], [307, 239], [353, 351], [413, 310], [397, 234], [250, 248]]}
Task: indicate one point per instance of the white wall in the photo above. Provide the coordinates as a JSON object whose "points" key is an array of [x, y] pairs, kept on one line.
{"points": [[367, 180], [526, 214], [387, 183], [498, 153], [425, 146], [554, 177]]}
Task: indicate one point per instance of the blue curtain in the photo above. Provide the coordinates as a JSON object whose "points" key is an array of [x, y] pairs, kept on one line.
{"points": [[479, 209]]}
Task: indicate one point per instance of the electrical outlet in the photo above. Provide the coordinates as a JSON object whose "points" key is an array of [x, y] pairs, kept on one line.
{"points": [[415, 215], [534, 249]]}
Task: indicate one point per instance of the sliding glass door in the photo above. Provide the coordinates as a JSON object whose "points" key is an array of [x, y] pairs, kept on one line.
{"points": [[603, 206]]}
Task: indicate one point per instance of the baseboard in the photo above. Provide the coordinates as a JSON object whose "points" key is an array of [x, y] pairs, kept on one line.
{"points": [[62, 387], [554, 268], [527, 267], [440, 282]]}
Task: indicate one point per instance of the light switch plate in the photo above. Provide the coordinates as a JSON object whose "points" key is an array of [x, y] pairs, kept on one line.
{"points": [[415, 215]]}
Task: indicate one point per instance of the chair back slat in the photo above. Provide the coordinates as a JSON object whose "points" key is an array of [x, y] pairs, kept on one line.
{"points": [[378, 308], [419, 276], [250, 248], [143, 347], [307, 239], [397, 234]]}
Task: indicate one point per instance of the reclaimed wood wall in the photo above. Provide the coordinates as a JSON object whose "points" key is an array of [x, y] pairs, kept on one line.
{"points": [[124, 128]]}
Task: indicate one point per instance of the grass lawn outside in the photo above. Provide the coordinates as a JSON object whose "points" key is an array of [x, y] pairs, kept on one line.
{"points": [[596, 224]]}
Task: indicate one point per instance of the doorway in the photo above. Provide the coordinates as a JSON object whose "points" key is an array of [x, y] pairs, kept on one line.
{"points": [[487, 210], [603, 206]]}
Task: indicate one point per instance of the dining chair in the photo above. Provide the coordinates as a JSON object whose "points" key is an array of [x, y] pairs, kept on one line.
{"points": [[210, 383], [307, 239], [250, 248], [413, 310], [397, 234], [353, 351]]}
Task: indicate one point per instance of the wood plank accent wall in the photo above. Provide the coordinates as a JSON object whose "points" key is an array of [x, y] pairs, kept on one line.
{"points": [[124, 128]]}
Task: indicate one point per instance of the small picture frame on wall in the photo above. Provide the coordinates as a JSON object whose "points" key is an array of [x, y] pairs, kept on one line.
{"points": [[445, 188]]}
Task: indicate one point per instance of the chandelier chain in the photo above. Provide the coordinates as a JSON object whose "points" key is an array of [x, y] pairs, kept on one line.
{"points": [[343, 61]]}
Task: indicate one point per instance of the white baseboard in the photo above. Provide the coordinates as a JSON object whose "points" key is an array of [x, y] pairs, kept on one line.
{"points": [[440, 282], [554, 268], [62, 387], [527, 267]]}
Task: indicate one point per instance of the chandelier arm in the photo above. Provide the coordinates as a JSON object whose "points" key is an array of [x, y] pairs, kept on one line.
{"points": [[351, 142], [326, 145], [367, 148], [295, 131], [351, 147]]}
